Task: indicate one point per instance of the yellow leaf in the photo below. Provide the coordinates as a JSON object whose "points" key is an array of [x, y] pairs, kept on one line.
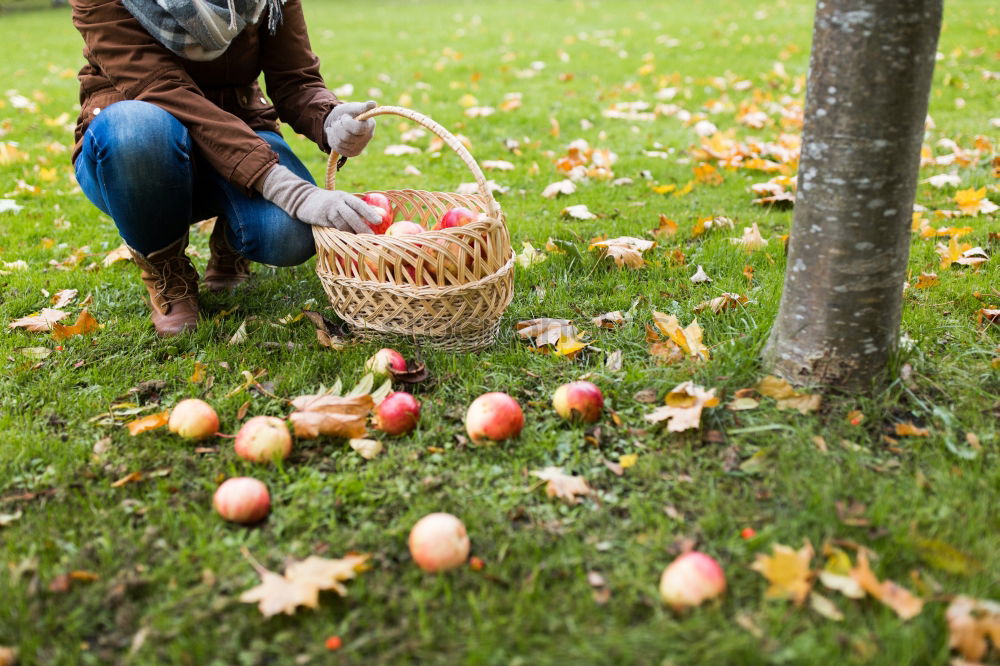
{"points": [[974, 202], [628, 460], [970, 623], [666, 229], [199, 373], [926, 281], [788, 571], [688, 338], [85, 323], [625, 250], [909, 430], [786, 396], [569, 346], [683, 407]]}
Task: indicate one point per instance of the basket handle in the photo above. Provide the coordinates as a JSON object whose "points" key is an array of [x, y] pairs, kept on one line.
{"points": [[450, 140]]}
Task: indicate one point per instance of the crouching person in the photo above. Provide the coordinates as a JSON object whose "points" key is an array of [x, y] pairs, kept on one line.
{"points": [[174, 128]]}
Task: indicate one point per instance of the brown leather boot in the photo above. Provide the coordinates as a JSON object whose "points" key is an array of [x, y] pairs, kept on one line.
{"points": [[172, 283], [226, 269]]}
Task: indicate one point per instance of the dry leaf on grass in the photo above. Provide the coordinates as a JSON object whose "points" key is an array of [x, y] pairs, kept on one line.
{"points": [[578, 212], [529, 256], [700, 276], [545, 330], [625, 250], [146, 423], [335, 416], [609, 320], [562, 485], [666, 229], [825, 607], [687, 338], [751, 239], [836, 573], [726, 301], [120, 253], [970, 623], [64, 297], [973, 202], [788, 571], [366, 448], [909, 430], [85, 323], [786, 396], [40, 322], [902, 601], [683, 407], [552, 190], [301, 584]]}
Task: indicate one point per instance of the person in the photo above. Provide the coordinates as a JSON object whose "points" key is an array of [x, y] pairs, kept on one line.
{"points": [[174, 128]]}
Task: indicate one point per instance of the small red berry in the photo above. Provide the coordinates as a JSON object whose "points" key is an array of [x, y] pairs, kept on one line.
{"points": [[748, 533], [476, 564], [333, 643]]}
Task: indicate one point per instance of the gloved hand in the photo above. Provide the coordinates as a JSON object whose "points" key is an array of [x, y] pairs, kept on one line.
{"points": [[313, 205], [345, 134]]}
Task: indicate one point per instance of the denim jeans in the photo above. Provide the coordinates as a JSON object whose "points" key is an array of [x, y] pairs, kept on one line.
{"points": [[139, 165]]}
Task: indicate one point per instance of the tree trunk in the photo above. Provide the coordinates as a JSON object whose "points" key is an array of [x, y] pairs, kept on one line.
{"points": [[866, 104]]}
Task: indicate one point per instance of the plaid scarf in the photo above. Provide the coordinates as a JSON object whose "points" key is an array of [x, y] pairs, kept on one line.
{"points": [[201, 29]]}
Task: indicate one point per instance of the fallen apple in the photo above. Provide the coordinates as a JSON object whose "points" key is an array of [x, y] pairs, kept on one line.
{"points": [[690, 580], [380, 201], [578, 401], [493, 417], [455, 217], [439, 542], [242, 500], [397, 414], [385, 361], [263, 439], [193, 419]]}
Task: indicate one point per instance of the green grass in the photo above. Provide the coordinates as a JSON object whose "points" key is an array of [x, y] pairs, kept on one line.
{"points": [[170, 570]]}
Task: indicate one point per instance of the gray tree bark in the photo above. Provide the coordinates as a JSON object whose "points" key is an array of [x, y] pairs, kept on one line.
{"points": [[866, 103]]}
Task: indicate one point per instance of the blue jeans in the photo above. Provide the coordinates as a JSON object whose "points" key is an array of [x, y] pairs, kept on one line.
{"points": [[139, 165]]}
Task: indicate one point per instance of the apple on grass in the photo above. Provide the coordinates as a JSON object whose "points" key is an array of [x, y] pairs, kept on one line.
{"points": [[263, 439], [242, 500], [578, 401], [384, 362], [493, 417], [193, 419], [398, 414], [439, 542]]}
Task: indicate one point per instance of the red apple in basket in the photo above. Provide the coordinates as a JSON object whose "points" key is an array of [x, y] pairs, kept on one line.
{"points": [[455, 217], [382, 203], [396, 230]]}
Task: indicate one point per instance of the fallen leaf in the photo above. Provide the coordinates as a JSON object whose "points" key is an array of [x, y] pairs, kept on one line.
{"points": [[836, 573], [146, 423], [199, 373], [85, 323], [552, 190], [578, 212], [970, 622], [825, 607], [529, 256], [120, 253], [42, 321], [726, 301], [628, 460], [614, 361], [240, 336], [132, 477], [328, 333], [973, 257], [688, 338], [926, 281], [8, 518], [742, 404], [683, 407], [700, 276], [786, 396], [277, 594], [751, 239], [974, 202], [788, 571], [335, 416], [546, 331], [64, 297], [609, 320], [909, 430], [366, 448], [568, 346], [899, 599], [326, 574], [666, 229], [625, 250], [562, 485]]}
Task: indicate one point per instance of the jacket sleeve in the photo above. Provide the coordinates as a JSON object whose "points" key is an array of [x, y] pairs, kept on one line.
{"points": [[292, 77], [140, 68]]}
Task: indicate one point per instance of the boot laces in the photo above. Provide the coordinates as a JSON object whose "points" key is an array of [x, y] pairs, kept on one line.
{"points": [[177, 279]]}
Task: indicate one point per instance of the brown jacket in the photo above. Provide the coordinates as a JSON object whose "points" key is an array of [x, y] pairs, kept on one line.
{"points": [[219, 101]]}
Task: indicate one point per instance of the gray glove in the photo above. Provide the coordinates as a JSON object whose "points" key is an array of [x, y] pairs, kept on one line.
{"points": [[345, 134], [313, 205]]}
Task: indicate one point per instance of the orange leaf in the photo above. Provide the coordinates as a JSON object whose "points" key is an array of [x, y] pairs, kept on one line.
{"points": [[910, 430], [151, 422], [899, 599], [85, 323]]}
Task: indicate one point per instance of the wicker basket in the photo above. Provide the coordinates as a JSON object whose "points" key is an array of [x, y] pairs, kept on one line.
{"points": [[447, 288]]}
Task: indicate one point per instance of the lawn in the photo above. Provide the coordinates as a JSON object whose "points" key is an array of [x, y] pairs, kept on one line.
{"points": [[156, 574]]}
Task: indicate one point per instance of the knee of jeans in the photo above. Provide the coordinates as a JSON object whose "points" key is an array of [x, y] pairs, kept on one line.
{"points": [[140, 134], [291, 246]]}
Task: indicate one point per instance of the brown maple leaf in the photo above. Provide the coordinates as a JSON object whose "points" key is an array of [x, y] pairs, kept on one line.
{"points": [[546, 330], [85, 323], [330, 415], [726, 301]]}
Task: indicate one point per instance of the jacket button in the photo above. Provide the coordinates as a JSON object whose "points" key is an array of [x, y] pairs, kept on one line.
{"points": [[263, 101]]}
